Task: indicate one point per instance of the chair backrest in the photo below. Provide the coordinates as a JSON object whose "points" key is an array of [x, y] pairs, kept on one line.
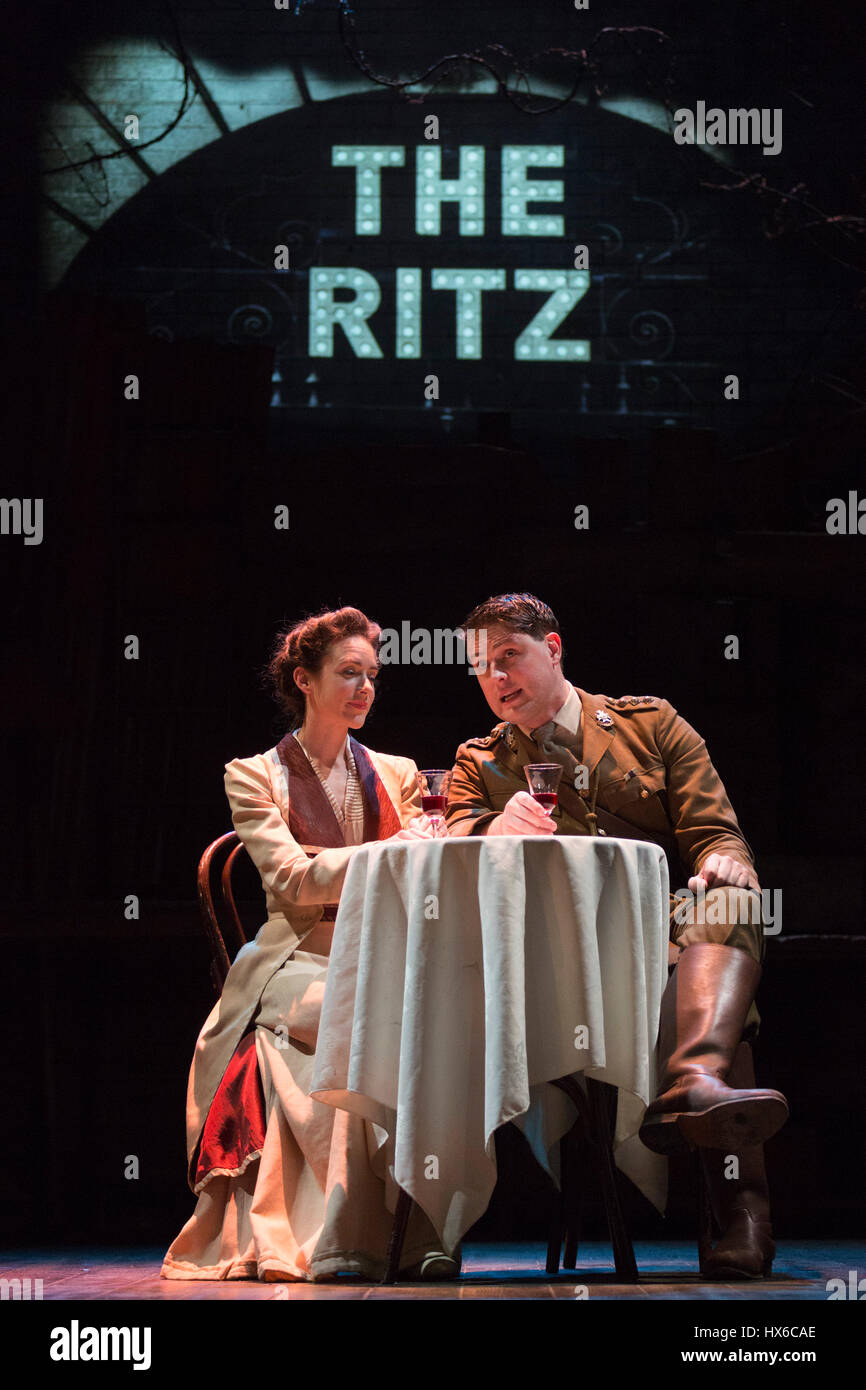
{"points": [[219, 914], [222, 923]]}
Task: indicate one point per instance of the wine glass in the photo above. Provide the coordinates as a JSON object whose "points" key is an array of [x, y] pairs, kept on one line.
{"points": [[543, 779], [433, 783]]}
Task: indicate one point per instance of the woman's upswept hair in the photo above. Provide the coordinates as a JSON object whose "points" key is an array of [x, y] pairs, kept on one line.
{"points": [[306, 644]]}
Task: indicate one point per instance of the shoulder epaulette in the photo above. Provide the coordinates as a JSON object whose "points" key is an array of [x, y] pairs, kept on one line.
{"points": [[497, 732], [632, 702]]}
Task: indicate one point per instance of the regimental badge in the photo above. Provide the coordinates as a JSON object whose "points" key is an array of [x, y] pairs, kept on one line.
{"points": [[510, 738], [604, 719]]}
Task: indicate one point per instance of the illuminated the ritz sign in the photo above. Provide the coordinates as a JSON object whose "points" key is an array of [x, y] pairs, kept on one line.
{"points": [[521, 184]]}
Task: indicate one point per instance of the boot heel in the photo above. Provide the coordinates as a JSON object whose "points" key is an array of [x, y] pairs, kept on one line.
{"points": [[664, 1136]]}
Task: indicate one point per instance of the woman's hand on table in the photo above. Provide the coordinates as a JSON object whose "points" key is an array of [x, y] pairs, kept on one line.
{"points": [[522, 816], [419, 828]]}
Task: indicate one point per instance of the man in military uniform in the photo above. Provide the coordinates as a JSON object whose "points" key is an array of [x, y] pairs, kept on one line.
{"points": [[633, 767]]}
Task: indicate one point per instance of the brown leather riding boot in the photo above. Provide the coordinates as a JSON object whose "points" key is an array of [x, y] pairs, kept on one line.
{"points": [[703, 1011], [740, 1205]]}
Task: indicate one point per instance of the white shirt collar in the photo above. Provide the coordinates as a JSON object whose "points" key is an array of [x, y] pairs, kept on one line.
{"points": [[568, 714]]}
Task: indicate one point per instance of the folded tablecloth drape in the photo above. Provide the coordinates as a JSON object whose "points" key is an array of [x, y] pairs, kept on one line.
{"points": [[466, 975]]}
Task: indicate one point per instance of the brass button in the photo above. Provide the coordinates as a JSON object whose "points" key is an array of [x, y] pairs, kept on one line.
{"points": [[644, 793]]}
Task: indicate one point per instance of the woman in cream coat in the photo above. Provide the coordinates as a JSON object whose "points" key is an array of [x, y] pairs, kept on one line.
{"points": [[289, 1188]]}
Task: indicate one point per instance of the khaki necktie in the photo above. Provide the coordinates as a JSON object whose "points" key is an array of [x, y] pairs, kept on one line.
{"points": [[560, 746]]}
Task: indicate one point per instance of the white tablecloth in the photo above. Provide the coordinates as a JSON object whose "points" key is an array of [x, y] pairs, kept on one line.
{"points": [[465, 975]]}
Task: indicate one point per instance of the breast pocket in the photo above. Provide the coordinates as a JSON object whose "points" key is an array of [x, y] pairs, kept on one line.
{"points": [[499, 786], [637, 788]]}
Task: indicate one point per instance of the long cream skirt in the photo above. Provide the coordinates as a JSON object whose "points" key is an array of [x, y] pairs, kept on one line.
{"points": [[312, 1204]]}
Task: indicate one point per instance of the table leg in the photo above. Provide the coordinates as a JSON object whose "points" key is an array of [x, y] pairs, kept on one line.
{"points": [[554, 1245], [573, 1194]]}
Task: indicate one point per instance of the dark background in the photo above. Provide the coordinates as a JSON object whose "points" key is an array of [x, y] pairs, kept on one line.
{"points": [[159, 523]]}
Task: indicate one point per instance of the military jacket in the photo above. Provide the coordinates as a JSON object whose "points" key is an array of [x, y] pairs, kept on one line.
{"points": [[648, 775]]}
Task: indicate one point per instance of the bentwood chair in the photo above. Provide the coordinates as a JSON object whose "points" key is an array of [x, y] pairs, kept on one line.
{"points": [[219, 913]]}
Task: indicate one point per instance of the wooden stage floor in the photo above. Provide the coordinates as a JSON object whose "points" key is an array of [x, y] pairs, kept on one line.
{"points": [[801, 1272]]}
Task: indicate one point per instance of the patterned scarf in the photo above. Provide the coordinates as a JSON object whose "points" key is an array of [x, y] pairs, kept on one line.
{"points": [[311, 816]]}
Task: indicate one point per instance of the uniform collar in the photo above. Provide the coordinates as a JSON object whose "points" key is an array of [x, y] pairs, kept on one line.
{"points": [[597, 735]]}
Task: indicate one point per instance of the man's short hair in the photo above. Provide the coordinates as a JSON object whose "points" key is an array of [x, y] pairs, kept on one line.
{"points": [[517, 613]]}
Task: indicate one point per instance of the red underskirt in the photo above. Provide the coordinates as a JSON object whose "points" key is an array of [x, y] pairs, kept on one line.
{"points": [[234, 1130]]}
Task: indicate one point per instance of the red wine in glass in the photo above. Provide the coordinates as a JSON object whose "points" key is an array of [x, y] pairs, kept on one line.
{"points": [[543, 779], [433, 784]]}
